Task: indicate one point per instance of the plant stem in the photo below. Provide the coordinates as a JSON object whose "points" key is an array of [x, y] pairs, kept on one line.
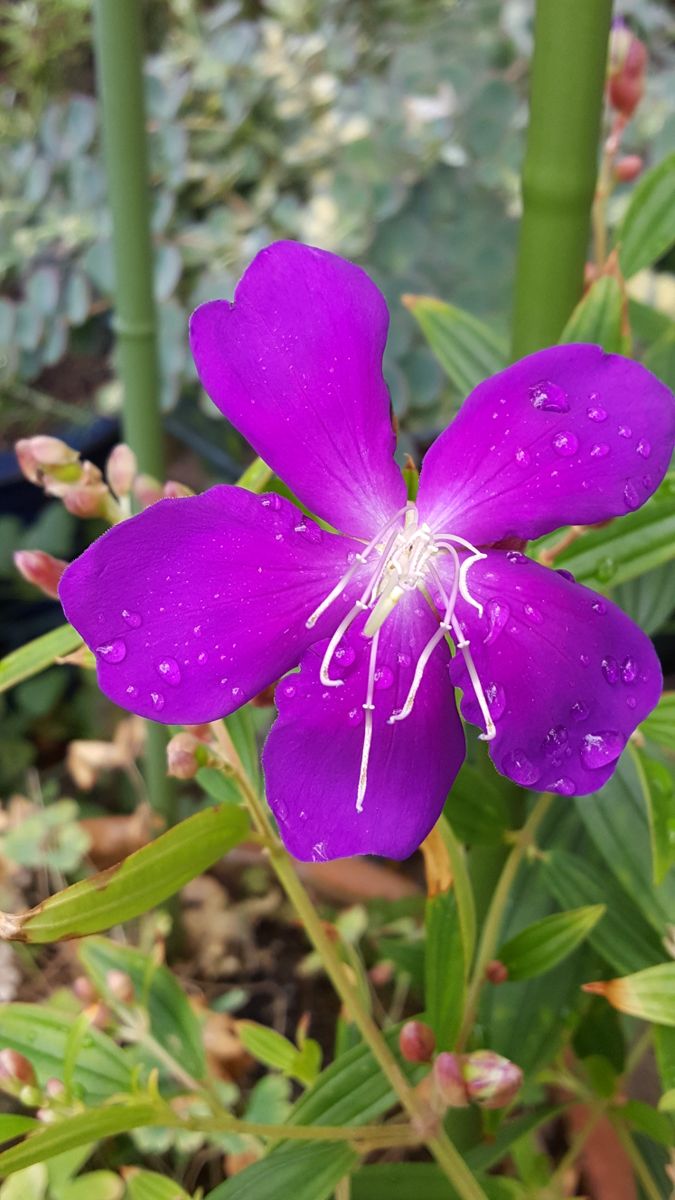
{"points": [[651, 1190], [495, 914], [438, 1143], [119, 64], [559, 174]]}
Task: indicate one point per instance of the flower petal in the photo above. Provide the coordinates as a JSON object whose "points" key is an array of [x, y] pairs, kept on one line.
{"points": [[196, 604], [312, 758], [567, 676], [569, 435], [295, 363]]}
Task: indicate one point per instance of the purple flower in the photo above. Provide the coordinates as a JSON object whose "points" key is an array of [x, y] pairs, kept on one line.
{"points": [[195, 605]]}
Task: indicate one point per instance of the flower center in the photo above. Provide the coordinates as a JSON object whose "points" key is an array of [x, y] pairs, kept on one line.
{"points": [[402, 557]]}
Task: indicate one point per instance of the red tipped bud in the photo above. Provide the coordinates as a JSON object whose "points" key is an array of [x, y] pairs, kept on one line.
{"points": [[185, 754], [40, 456], [628, 168], [121, 469], [627, 65], [40, 569], [417, 1042], [120, 986], [175, 491], [86, 500], [491, 1080], [449, 1082], [496, 972], [16, 1069], [147, 490]]}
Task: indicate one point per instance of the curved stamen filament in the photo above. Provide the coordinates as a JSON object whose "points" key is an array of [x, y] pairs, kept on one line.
{"points": [[437, 636], [359, 606], [369, 709], [359, 560], [463, 645]]}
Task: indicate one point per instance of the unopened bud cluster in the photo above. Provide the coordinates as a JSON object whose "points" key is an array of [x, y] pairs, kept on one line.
{"points": [[56, 467], [482, 1077], [627, 68]]}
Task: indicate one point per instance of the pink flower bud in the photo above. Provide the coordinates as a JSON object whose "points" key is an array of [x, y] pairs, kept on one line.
{"points": [[121, 469], [628, 168], [54, 1088], [417, 1042], [175, 491], [185, 754], [147, 490], [496, 972], [627, 66], [120, 985], [86, 500], [40, 569], [491, 1080], [449, 1081], [39, 456], [14, 1068]]}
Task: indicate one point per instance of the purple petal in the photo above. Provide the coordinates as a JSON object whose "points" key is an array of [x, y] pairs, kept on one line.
{"points": [[567, 676], [312, 758], [569, 435], [196, 604], [295, 363]]}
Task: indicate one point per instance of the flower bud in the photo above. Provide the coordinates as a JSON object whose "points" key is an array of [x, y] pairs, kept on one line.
{"points": [[120, 986], [449, 1082], [627, 64], [185, 754], [628, 168], [86, 500], [417, 1042], [175, 491], [40, 456], [491, 1080], [496, 972], [14, 1068], [40, 569], [147, 490], [84, 989], [121, 469], [54, 1088]]}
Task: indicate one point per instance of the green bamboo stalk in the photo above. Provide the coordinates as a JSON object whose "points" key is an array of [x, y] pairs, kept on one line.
{"points": [[119, 64], [560, 169]]}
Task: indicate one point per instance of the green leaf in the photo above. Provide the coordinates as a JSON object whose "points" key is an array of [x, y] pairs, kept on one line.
{"points": [[36, 655], [659, 726], [622, 550], [77, 1130], [274, 1050], [42, 1034], [648, 227], [444, 968], [95, 1185], [403, 1180], [543, 945], [648, 994], [660, 357], [172, 1020], [647, 599], [148, 1185], [476, 807], [623, 937], [13, 1125], [138, 883], [29, 1184], [597, 317], [467, 349], [664, 1048], [645, 1119], [667, 1101], [462, 887], [305, 1172], [658, 788]]}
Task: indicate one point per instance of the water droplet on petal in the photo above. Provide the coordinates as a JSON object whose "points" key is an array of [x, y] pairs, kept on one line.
{"points": [[344, 656], [565, 786], [644, 448], [565, 443], [556, 740], [355, 716], [533, 614], [595, 412], [383, 678], [288, 690], [170, 671], [602, 748], [280, 811], [112, 652], [197, 630], [202, 657], [599, 607], [630, 496], [271, 500], [522, 457], [610, 669], [629, 670], [584, 660], [625, 431], [599, 450], [579, 710], [157, 701], [132, 691], [133, 619], [647, 482], [515, 556], [496, 698], [403, 660], [549, 397], [565, 574], [631, 702], [498, 613], [518, 767]]}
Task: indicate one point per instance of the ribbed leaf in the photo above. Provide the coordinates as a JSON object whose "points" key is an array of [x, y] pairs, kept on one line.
{"points": [[659, 726], [543, 945], [444, 968], [303, 1172], [77, 1130], [658, 789], [648, 994], [42, 1035], [467, 349], [597, 317], [648, 228], [148, 1185], [35, 656]]}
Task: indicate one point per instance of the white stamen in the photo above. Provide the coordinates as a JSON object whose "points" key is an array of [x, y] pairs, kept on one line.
{"points": [[463, 645], [369, 709], [359, 560], [359, 606], [431, 645]]}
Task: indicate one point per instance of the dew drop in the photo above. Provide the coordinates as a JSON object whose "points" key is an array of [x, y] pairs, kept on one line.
{"points": [[384, 678], [533, 614], [549, 397], [310, 531], [631, 702], [522, 457], [579, 710], [236, 691], [131, 690], [599, 607], [602, 748], [281, 812], [599, 450], [584, 660], [112, 652], [595, 412], [644, 448], [556, 740], [197, 630], [133, 619], [271, 500], [625, 431], [515, 556], [647, 482], [170, 671], [565, 575], [202, 657], [403, 660], [498, 613], [518, 767], [355, 716], [565, 786], [496, 698], [288, 690], [278, 537], [344, 656], [629, 670], [157, 701], [630, 496], [565, 443], [610, 669], [606, 569]]}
